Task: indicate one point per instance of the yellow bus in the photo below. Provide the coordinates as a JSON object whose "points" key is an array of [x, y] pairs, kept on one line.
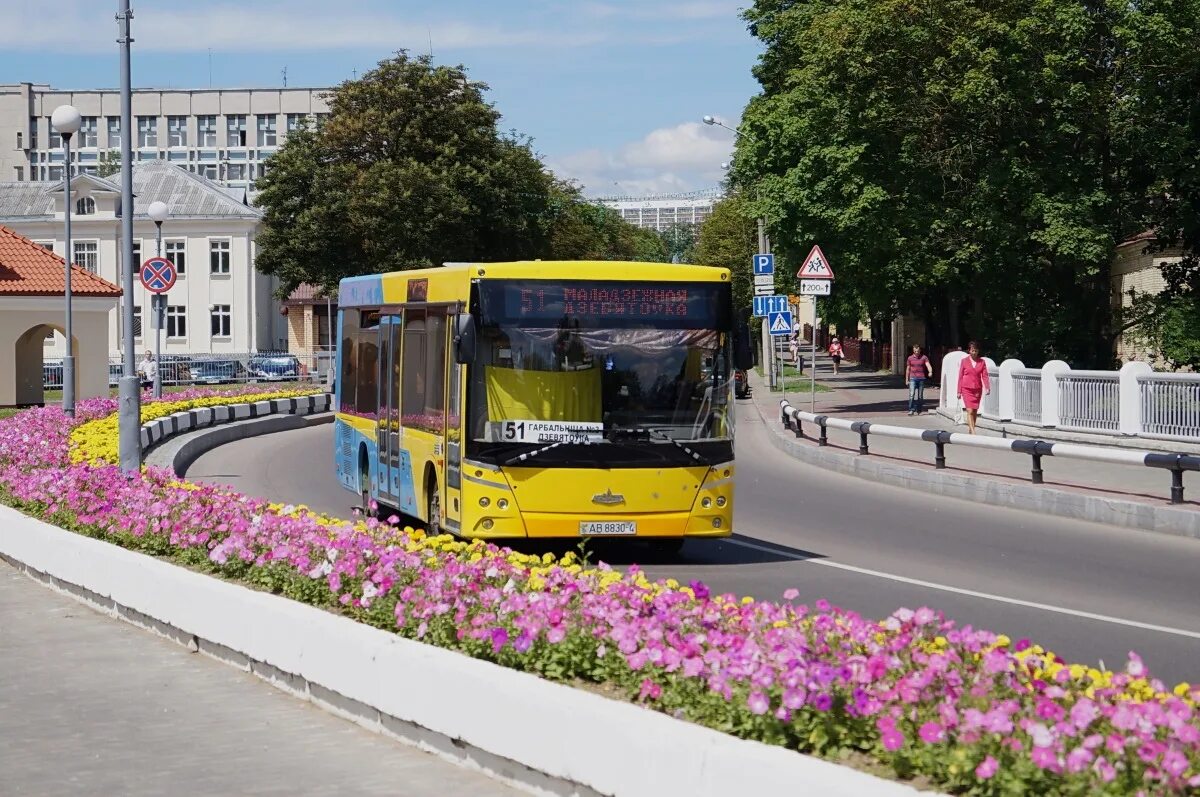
{"points": [[541, 399]]}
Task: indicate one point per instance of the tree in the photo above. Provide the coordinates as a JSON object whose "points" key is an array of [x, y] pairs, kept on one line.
{"points": [[410, 171], [975, 164], [108, 164], [728, 238], [680, 242]]}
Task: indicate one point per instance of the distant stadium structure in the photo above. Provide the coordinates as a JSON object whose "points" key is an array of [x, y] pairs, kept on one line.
{"points": [[664, 211]]}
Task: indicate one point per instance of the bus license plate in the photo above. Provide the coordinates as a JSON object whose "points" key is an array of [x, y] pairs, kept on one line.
{"points": [[607, 528]]}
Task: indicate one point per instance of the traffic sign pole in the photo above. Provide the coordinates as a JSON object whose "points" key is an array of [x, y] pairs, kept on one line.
{"points": [[812, 407]]}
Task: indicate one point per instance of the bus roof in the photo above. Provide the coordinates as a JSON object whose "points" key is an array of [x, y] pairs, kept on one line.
{"points": [[454, 279]]}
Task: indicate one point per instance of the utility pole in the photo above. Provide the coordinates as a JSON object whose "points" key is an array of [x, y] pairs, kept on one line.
{"points": [[130, 397]]}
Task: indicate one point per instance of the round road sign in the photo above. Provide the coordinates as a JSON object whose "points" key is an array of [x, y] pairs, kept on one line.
{"points": [[158, 274]]}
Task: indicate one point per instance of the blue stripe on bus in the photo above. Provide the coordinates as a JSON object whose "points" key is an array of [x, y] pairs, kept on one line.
{"points": [[361, 291]]}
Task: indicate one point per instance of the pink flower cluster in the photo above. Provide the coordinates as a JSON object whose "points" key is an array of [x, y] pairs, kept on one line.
{"points": [[961, 706]]}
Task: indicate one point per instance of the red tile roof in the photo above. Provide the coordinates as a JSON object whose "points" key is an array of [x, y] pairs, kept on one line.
{"points": [[27, 269], [307, 293]]}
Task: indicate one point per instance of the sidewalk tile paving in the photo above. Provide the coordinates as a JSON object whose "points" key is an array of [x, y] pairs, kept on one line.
{"points": [[90, 705], [858, 394]]}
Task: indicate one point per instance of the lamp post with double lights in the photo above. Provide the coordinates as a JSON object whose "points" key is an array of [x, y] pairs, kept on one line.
{"points": [[66, 120], [158, 214], [764, 247]]}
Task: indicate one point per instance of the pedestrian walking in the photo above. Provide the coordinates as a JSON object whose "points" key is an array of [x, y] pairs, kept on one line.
{"points": [[973, 383], [919, 369], [148, 370], [835, 354]]}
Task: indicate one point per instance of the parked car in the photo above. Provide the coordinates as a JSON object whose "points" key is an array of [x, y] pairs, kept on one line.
{"points": [[741, 385], [213, 372], [274, 367]]}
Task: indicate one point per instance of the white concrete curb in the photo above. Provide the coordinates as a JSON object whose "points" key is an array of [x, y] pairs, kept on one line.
{"points": [[546, 737], [157, 431]]}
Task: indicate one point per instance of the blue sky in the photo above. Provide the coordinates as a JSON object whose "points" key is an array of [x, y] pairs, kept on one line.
{"points": [[612, 91]]}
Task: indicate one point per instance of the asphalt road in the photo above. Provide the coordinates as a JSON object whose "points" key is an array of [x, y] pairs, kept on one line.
{"points": [[1087, 591]]}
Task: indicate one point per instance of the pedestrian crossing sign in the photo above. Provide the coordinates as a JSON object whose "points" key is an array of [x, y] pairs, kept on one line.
{"points": [[780, 323]]}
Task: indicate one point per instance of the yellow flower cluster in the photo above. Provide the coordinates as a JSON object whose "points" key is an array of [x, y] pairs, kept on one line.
{"points": [[96, 441]]}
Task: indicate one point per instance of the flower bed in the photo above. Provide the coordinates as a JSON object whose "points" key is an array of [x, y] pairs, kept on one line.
{"points": [[966, 710]]}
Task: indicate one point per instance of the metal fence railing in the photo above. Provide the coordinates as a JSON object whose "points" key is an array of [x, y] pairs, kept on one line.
{"points": [[1170, 405], [1027, 395], [215, 369], [1089, 401], [989, 406]]}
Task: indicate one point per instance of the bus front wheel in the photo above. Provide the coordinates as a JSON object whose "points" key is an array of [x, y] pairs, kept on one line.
{"points": [[364, 485]]}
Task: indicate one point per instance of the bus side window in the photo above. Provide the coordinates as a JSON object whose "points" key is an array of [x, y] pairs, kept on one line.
{"points": [[347, 383], [368, 367], [412, 391], [435, 362]]}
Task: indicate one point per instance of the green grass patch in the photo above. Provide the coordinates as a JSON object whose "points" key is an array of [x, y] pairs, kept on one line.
{"points": [[796, 382]]}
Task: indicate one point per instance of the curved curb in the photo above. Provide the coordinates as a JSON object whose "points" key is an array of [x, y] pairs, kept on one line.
{"points": [[180, 452], [544, 737], [1027, 497]]}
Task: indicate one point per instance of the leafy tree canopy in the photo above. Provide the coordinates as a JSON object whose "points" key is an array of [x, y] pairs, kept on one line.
{"points": [[410, 170], [975, 163]]}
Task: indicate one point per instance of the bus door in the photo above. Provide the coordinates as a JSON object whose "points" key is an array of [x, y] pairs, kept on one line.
{"points": [[451, 508], [395, 465]]}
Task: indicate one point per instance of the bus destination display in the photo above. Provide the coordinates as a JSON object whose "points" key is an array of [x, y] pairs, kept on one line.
{"points": [[603, 304]]}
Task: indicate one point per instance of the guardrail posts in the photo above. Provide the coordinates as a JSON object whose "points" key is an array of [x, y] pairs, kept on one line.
{"points": [[1007, 389], [1129, 392], [1177, 464], [1036, 449], [1050, 372], [823, 440], [863, 428], [939, 438]]}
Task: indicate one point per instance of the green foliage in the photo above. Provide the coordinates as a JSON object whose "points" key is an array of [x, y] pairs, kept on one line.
{"points": [[680, 243], [108, 164], [1168, 325], [974, 164], [410, 171], [728, 238]]}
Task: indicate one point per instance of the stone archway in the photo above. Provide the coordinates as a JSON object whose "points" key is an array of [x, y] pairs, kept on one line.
{"points": [[30, 365]]}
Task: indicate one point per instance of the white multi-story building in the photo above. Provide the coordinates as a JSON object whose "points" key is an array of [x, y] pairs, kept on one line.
{"points": [[219, 304], [664, 211], [223, 134]]}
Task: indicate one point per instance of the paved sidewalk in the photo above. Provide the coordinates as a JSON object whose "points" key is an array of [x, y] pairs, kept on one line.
{"points": [[861, 395], [90, 705]]}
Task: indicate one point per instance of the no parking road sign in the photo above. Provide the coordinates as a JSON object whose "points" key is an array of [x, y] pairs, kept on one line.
{"points": [[158, 275]]}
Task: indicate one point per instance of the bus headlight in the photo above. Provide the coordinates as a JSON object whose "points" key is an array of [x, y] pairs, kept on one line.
{"points": [[706, 502], [487, 524], [716, 523], [502, 504], [721, 500], [485, 501]]}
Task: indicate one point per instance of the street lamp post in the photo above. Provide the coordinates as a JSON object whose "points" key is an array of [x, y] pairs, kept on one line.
{"points": [[764, 247], [158, 214], [130, 395], [66, 120]]}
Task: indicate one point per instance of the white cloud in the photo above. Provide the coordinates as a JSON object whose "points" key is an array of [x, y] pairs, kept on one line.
{"points": [[685, 157]]}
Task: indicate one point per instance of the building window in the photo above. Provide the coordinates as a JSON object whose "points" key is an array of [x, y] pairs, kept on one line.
{"points": [[56, 141], [20, 140], [114, 132], [176, 252], [266, 130], [88, 131], [147, 131], [176, 131], [176, 321], [220, 320], [20, 173], [54, 175], [235, 129], [208, 170], [85, 206], [33, 125], [137, 322], [87, 255], [48, 245], [218, 257], [208, 130], [321, 119], [293, 121], [235, 171]]}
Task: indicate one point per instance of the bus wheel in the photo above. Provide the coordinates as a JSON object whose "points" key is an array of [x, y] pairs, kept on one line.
{"points": [[364, 483], [435, 511]]}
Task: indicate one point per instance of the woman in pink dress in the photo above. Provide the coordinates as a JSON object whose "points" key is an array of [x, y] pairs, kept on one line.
{"points": [[973, 383]]}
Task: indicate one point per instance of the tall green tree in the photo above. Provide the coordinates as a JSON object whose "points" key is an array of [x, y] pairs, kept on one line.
{"points": [[972, 163], [728, 238], [410, 170]]}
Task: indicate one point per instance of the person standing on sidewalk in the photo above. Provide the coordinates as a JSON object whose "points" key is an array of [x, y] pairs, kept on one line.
{"points": [[835, 354], [973, 383], [919, 370]]}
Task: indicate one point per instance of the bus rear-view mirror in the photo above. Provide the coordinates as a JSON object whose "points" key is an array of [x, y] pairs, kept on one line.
{"points": [[743, 351], [464, 339]]}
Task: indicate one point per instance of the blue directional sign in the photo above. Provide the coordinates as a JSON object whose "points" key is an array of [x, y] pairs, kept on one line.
{"points": [[765, 305], [763, 264], [780, 323]]}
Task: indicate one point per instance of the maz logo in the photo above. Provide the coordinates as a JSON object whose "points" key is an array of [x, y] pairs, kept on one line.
{"points": [[608, 498]]}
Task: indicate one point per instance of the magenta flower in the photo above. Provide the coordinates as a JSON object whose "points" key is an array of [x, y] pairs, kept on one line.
{"points": [[932, 733], [987, 768], [758, 703]]}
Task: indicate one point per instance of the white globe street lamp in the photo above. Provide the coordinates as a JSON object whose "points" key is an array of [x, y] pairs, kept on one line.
{"points": [[67, 121]]}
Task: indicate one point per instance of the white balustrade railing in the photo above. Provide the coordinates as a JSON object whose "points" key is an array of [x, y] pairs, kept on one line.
{"points": [[1027, 395], [1134, 401], [1089, 401], [989, 406], [1170, 405]]}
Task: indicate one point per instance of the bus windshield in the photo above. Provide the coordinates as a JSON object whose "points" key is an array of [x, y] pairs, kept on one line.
{"points": [[614, 373]]}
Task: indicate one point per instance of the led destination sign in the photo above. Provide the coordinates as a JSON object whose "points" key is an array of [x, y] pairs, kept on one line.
{"points": [[603, 304]]}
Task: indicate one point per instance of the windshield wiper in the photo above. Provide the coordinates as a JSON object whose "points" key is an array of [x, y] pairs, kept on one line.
{"points": [[531, 454], [646, 431]]}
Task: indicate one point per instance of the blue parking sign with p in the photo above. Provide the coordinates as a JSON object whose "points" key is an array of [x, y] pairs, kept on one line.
{"points": [[764, 264]]}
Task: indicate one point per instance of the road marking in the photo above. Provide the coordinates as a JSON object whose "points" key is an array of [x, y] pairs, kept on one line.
{"points": [[969, 592]]}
